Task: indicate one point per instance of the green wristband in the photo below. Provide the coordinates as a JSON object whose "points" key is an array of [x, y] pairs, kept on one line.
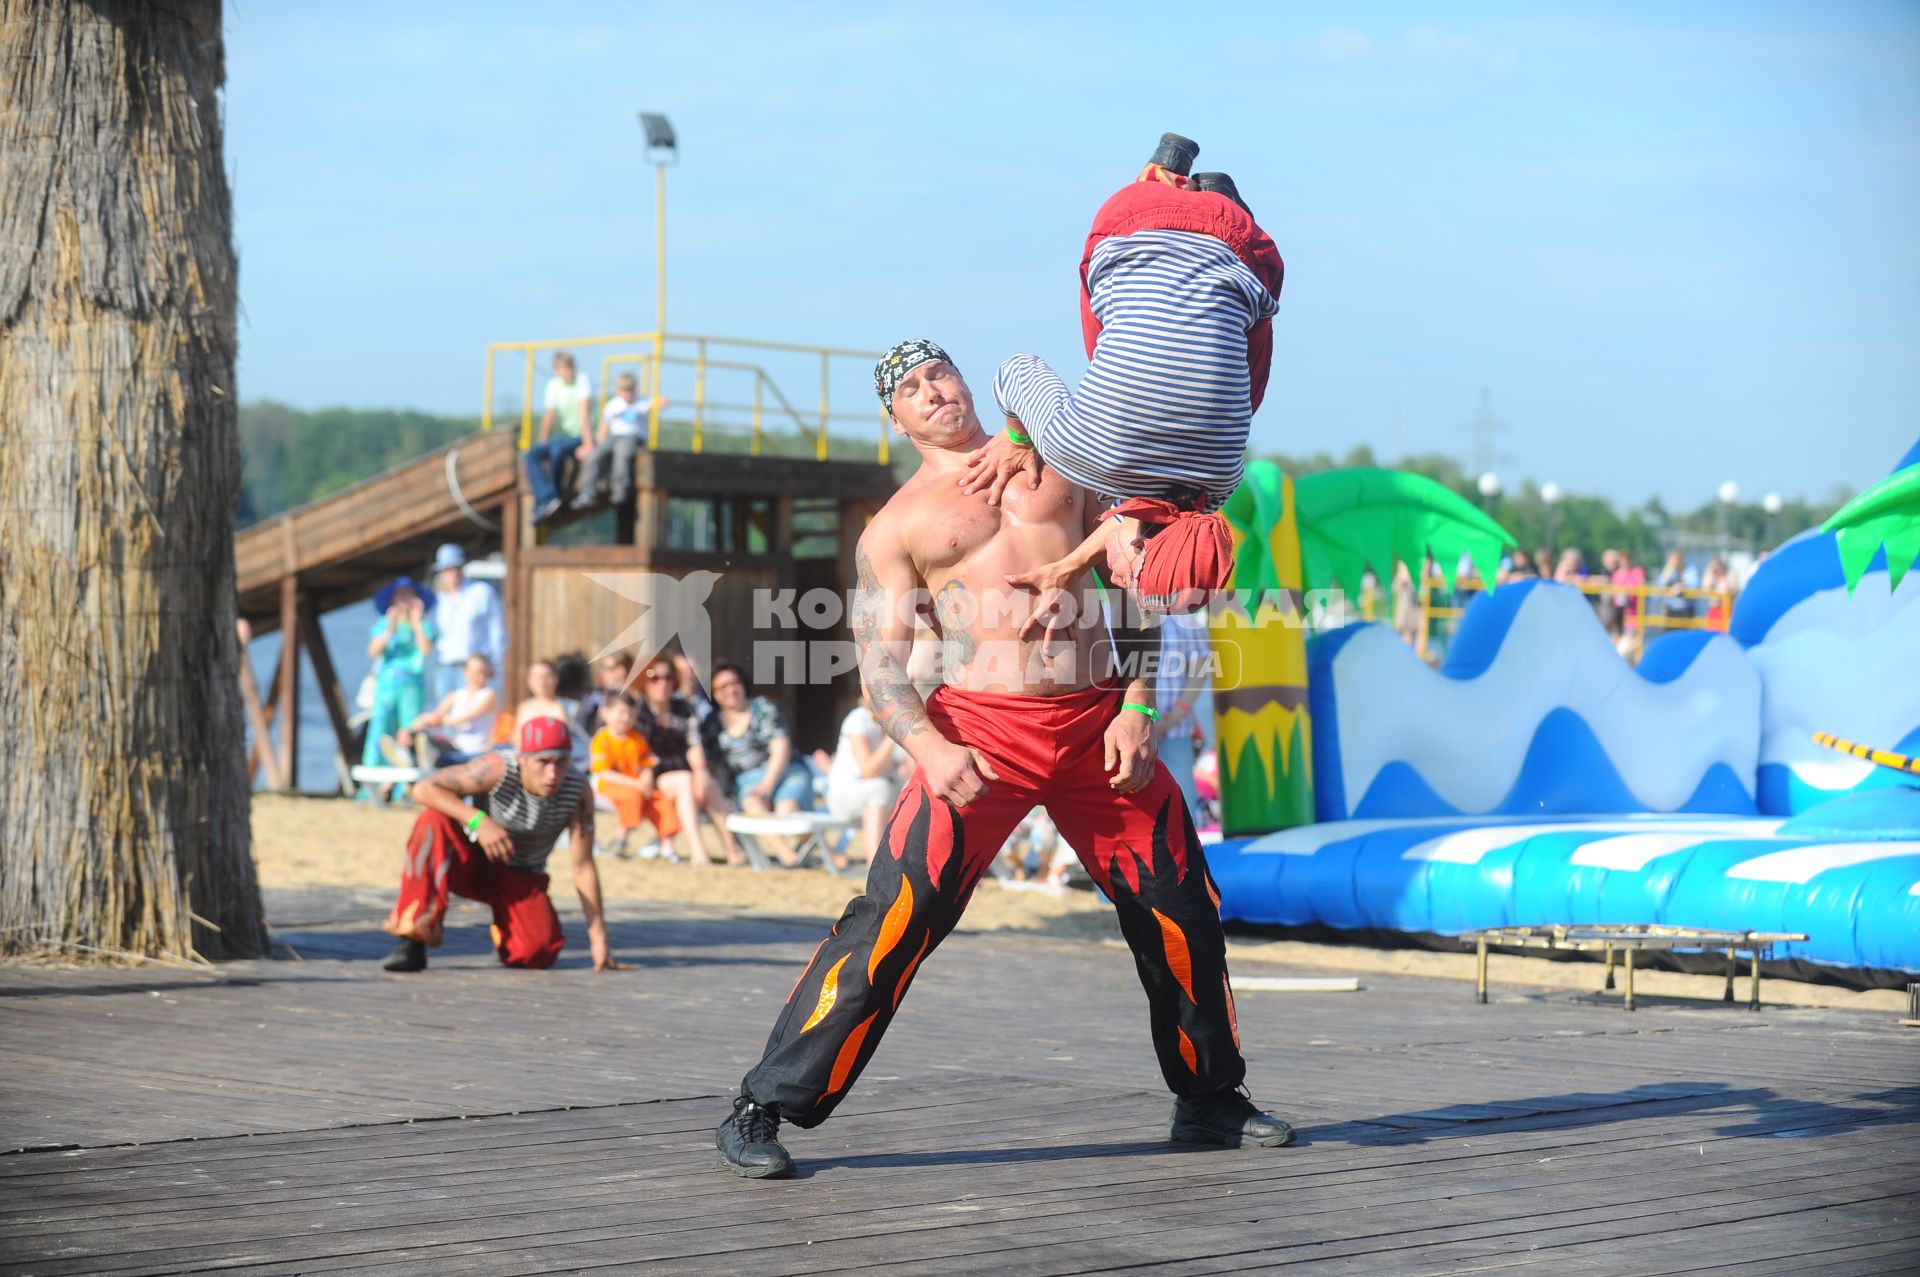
{"points": [[1148, 710], [1019, 438], [473, 826]]}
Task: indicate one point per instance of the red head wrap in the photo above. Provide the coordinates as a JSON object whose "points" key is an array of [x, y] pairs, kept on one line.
{"points": [[1194, 551]]}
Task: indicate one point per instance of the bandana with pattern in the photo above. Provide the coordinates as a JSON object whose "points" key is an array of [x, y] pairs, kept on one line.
{"points": [[898, 362]]}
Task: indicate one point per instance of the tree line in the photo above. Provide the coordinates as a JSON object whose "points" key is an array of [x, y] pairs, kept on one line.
{"points": [[294, 455], [1594, 523]]}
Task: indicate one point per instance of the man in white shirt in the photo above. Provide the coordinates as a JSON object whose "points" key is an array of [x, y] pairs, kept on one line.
{"points": [[468, 616], [563, 433], [623, 428]]}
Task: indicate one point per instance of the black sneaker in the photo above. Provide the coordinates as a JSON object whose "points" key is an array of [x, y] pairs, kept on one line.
{"points": [[749, 1142], [1222, 184], [1228, 1118], [408, 955], [1176, 153]]}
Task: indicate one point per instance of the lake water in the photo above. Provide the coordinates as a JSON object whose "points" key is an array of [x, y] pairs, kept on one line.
{"points": [[348, 632]]}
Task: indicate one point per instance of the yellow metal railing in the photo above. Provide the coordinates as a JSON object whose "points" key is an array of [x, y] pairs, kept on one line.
{"points": [[1711, 608], [653, 352]]}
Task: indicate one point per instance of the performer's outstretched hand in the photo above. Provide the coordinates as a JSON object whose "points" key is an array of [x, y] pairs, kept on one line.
{"points": [[992, 467], [1054, 609]]}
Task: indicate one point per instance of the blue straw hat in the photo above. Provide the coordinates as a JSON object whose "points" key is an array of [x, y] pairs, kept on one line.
{"points": [[384, 599]]}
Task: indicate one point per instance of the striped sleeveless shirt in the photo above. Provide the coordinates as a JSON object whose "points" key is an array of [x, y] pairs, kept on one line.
{"points": [[534, 824], [1167, 401]]}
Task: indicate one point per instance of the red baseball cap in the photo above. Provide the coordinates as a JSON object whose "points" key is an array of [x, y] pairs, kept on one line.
{"points": [[1190, 557], [544, 736]]}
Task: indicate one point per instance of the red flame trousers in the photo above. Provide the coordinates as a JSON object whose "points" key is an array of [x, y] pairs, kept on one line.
{"points": [[1139, 847], [441, 862]]}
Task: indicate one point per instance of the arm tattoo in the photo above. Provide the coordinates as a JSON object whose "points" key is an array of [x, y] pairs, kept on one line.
{"points": [[477, 776], [897, 706]]}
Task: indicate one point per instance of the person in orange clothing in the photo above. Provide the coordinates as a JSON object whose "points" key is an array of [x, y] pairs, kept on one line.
{"points": [[622, 765]]}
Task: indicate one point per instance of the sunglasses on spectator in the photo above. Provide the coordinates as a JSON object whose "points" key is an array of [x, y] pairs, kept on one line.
{"points": [[662, 677]]}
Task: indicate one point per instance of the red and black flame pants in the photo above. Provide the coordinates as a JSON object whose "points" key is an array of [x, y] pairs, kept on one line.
{"points": [[442, 863], [1139, 847]]}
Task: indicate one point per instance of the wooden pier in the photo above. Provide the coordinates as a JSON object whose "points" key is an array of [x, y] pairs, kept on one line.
{"points": [[319, 1116]]}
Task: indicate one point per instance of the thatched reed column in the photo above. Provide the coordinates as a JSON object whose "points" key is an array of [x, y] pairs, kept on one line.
{"points": [[123, 785]]}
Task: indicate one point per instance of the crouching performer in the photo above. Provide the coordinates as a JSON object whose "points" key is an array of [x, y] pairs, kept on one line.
{"points": [[486, 833]]}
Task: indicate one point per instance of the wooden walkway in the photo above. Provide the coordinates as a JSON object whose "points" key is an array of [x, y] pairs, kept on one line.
{"points": [[318, 1116]]}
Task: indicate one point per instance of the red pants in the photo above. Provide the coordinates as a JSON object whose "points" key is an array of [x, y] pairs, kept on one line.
{"points": [[442, 862], [1139, 847], [1144, 205]]}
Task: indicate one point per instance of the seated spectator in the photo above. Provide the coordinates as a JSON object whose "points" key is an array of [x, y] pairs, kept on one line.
{"points": [[750, 734], [460, 727], [562, 438], [686, 681], [623, 429], [1572, 567], [681, 770], [1036, 848], [622, 766], [544, 701], [611, 677], [1518, 567], [401, 643], [865, 776]]}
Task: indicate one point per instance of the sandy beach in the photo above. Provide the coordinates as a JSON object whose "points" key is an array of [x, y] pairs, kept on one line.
{"points": [[331, 842]]}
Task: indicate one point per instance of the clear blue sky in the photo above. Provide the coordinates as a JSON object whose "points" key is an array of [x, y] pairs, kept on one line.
{"points": [[1677, 241]]}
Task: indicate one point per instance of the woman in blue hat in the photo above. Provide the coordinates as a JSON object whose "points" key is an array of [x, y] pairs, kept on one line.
{"points": [[402, 641]]}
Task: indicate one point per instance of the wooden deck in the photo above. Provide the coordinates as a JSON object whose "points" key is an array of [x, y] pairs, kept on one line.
{"points": [[318, 1116]]}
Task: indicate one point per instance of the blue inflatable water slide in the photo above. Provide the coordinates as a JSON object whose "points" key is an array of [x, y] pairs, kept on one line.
{"points": [[1538, 778]]}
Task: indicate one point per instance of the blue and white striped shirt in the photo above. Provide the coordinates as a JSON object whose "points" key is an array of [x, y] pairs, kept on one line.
{"points": [[1167, 401]]}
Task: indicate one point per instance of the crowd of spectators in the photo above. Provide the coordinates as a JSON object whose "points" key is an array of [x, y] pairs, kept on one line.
{"points": [[1633, 607]]}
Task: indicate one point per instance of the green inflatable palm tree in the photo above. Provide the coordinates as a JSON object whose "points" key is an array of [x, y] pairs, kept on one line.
{"points": [[1290, 537], [1886, 514]]}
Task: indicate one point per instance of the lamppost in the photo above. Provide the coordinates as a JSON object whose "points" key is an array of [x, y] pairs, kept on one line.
{"points": [[662, 149], [1771, 503], [1729, 493], [1489, 489], [1550, 493]]}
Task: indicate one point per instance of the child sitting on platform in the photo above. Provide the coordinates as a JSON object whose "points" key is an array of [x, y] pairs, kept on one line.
{"points": [[622, 767], [1178, 290]]}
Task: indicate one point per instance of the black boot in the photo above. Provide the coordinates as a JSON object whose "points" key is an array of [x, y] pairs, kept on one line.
{"points": [[408, 955], [749, 1142], [1228, 1118], [1176, 153], [1223, 184]]}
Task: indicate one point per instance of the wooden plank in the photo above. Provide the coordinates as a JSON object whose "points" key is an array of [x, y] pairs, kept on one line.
{"points": [[289, 690], [261, 752], [332, 697]]}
